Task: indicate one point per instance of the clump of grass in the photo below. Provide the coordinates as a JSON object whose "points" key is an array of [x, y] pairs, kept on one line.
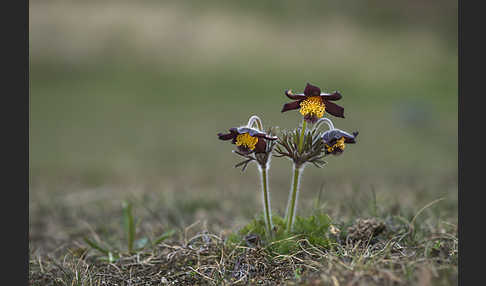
{"points": [[314, 229], [112, 253]]}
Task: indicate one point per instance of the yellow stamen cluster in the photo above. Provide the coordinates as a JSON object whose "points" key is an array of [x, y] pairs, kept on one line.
{"points": [[246, 140], [339, 144], [312, 106]]}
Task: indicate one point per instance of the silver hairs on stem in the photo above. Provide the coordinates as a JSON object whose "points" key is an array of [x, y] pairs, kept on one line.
{"points": [[324, 120], [257, 120]]}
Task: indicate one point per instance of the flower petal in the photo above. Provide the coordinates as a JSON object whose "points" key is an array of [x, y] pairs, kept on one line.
{"points": [[291, 106], [244, 150], [337, 151], [311, 90], [334, 109], [261, 146], [351, 139], [255, 133], [331, 96], [268, 137], [311, 118], [249, 130], [293, 96], [227, 136], [336, 134]]}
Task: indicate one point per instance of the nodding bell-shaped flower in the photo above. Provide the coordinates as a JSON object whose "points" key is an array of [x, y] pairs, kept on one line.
{"points": [[313, 104], [248, 139], [335, 140]]}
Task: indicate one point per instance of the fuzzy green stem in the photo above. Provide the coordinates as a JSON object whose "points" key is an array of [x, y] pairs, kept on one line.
{"points": [[301, 141], [291, 208], [266, 201]]}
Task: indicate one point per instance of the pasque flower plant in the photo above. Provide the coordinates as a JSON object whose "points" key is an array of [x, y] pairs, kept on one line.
{"points": [[301, 145], [310, 147], [254, 144]]}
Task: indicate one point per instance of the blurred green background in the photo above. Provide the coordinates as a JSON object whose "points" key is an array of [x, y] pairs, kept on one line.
{"points": [[131, 94]]}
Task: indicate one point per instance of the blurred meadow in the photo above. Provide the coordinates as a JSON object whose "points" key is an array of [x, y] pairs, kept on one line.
{"points": [[127, 98]]}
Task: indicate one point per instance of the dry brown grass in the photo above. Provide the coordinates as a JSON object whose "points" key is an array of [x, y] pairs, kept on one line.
{"points": [[393, 258]]}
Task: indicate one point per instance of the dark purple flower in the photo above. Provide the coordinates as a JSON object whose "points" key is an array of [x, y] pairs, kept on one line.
{"points": [[335, 140], [313, 104], [247, 139]]}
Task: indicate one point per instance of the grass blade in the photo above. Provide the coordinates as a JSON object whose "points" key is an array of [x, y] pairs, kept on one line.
{"points": [[129, 224], [96, 246], [164, 236]]}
